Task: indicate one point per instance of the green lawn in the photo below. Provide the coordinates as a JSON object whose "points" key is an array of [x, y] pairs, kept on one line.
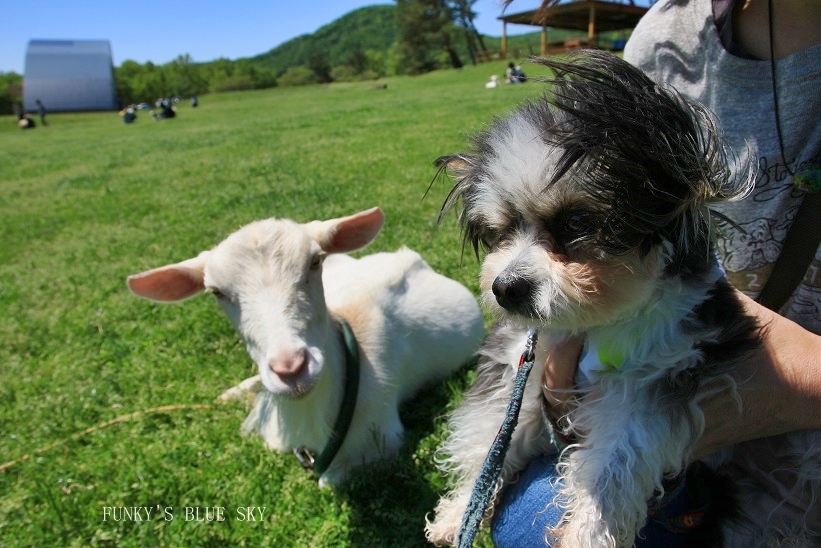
{"points": [[88, 370]]}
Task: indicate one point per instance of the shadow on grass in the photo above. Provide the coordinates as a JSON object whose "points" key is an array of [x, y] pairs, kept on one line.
{"points": [[390, 498]]}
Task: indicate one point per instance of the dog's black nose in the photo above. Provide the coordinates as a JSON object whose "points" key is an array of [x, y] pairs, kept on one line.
{"points": [[512, 292]]}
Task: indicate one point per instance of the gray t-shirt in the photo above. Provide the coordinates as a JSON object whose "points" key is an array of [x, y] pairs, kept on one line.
{"points": [[677, 44]]}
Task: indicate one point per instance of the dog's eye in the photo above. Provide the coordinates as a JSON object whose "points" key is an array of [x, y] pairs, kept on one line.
{"points": [[578, 224], [480, 238], [488, 243]]}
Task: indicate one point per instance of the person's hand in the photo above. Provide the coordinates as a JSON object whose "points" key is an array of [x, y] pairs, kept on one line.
{"points": [[558, 377]]}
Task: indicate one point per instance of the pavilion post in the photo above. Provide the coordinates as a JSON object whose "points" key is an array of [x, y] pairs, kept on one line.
{"points": [[591, 26]]}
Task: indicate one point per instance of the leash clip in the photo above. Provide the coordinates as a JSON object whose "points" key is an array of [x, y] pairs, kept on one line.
{"points": [[529, 354], [305, 458]]}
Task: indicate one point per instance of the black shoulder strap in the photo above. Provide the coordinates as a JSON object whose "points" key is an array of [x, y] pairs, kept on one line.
{"points": [[796, 255]]}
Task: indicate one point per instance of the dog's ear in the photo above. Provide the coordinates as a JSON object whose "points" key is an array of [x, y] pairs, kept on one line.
{"points": [[463, 168], [466, 169], [457, 165]]}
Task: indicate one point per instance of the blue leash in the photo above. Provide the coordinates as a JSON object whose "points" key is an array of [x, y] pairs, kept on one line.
{"points": [[492, 467]]}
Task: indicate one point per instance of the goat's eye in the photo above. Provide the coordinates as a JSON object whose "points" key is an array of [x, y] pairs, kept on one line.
{"points": [[316, 261]]}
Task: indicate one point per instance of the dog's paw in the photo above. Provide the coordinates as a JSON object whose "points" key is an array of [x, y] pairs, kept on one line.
{"points": [[439, 533], [444, 529], [586, 524]]}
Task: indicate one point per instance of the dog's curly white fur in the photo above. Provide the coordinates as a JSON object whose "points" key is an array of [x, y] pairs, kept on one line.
{"points": [[593, 206]]}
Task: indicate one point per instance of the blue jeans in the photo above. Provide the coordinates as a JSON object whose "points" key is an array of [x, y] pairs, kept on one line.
{"points": [[524, 512]]}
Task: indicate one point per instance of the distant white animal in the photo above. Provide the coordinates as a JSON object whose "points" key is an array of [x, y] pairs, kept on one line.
{"points": [[493, 82], [290, 297]]}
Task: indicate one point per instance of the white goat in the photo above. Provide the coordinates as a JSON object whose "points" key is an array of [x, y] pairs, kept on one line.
{"points": [[411, 324]]}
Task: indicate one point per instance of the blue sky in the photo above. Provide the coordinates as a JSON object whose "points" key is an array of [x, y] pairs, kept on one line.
{"points": [[159, 31]]}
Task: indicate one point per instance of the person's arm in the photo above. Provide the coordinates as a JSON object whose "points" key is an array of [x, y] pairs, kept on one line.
{"points": [[780, 387]]}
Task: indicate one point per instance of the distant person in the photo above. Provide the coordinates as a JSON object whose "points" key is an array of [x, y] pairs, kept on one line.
{"points": [[194, 101], [166, 110], [41, 109], [128, 114], [514, 74], [25, 121], [510, 74]]}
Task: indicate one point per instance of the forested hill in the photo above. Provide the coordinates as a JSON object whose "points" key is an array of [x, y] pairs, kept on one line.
{"points": [[366, 44], [371, 28]]}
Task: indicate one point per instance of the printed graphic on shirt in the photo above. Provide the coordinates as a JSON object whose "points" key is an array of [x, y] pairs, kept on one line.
{"points": [[749, 249]]}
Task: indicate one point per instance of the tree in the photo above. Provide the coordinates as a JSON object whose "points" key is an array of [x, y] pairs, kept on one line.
{"points": [[357, 60], [464, 15], [424, 30], [137, 83], [320, 66], [187, 77], [11, 85], [297, 76]]}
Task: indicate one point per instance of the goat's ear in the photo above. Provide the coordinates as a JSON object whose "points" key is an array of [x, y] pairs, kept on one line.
{"points": [[174, 282], [348, 233]]}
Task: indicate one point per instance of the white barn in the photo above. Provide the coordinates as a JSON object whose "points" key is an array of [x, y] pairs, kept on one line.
{"points": [[69, 75]]}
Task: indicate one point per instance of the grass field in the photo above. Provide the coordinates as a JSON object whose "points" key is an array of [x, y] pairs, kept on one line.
{"points": [[106, 400]]}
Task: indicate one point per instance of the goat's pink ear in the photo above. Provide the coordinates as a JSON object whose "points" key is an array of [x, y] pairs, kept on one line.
{"points": [[170, 283], [350, 233]]}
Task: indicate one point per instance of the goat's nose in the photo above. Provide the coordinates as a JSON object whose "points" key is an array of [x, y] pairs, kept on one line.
{"points": [[289, 364], [511, 292]]}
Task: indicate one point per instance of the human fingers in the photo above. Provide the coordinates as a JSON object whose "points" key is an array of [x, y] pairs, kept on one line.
{"points": [[558, 377]]}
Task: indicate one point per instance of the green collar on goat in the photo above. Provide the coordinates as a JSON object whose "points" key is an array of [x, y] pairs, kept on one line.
{"points": [[343, 420]]}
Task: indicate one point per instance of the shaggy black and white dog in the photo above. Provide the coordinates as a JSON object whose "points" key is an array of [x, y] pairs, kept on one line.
{"points": [[592, 204]]}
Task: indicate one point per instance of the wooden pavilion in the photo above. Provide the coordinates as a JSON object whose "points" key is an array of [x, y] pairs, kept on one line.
{"points": [[593, 16]]}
